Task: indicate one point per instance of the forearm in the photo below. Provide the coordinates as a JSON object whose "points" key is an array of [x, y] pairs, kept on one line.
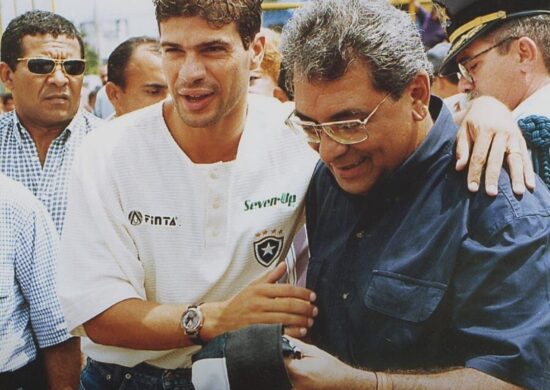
{"points": [[459, 379], [62, 364], [138, 324]]}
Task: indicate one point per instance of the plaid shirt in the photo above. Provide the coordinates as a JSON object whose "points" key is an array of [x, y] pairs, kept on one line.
{"points": [[19, 160], [30, 313]]}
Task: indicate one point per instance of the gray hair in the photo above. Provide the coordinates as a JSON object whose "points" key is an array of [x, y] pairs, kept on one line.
{"points": [[535, 27], [325, 36]]}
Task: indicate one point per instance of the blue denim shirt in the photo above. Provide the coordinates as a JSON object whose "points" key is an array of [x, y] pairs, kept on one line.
{"points": [[421, 274]]}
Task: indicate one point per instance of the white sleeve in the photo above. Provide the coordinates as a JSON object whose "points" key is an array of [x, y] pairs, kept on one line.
{"points": [[98, 265]]}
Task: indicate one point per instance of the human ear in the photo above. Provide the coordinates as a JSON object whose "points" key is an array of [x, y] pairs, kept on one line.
{"points": [[114, 93], [257, 49], [527, 50], [6, 75], [418, 91]]}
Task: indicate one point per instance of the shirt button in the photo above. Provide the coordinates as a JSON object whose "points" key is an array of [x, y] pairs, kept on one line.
{"points": [[216, 204], [215, 233], [345, 296], [214, 175], [108, 377], [360, 234], [128, 376]]}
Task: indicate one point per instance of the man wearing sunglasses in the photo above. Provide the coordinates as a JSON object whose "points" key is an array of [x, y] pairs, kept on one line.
{"points": [[500, 48], [43, 66], [419, 283]]}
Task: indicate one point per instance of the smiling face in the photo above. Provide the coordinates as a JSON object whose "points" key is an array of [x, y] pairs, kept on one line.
{"points": [[46, 101], [393, 133], [207, 71]]}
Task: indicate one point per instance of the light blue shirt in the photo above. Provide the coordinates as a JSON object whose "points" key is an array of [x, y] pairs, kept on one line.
{"points": [[30, 313], [19, 160]]}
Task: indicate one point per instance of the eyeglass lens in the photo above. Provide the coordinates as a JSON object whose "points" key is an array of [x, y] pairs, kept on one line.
{"points": [[46, 66]]}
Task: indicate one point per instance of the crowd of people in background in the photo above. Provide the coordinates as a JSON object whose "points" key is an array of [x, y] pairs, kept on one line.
{"points": [[360, 201]]}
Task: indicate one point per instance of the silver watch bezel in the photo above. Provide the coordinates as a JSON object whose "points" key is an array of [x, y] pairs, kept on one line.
{"points": [[192, 332]]}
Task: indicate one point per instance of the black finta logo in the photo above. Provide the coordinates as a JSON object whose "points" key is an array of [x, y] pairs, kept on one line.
{"points": [[137, 218]]}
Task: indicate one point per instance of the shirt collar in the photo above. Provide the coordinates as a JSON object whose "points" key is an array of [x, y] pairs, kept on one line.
{"points": [[536, 104], [75, 125]]}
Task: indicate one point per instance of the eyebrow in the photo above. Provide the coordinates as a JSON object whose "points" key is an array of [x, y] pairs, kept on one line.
{"points": [[155, 85], [200, 45], [347, 114]]}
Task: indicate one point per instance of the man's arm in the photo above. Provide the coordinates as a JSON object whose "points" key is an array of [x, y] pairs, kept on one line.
{"points": [[139, 324], [36, 256], [488, 133], [62, 364], [319, 370]]}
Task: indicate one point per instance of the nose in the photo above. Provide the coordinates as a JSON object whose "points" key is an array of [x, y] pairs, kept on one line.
{"points": [[330, 150], [464, 85], [58, 77], [192, 70]]}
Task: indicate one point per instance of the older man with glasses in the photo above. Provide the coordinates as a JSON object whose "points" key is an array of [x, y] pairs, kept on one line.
{"points": [[501, 49], [419, 283]]}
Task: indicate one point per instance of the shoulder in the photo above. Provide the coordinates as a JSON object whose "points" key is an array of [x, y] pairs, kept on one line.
{"points": [[491, 215], [6, 121], [16, 201], [114, 136], [91, 122], [266, 114]]}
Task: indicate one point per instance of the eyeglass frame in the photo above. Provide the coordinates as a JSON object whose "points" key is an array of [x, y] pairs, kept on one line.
{"points": [[320, 128], [464, 72], [56, 62]]}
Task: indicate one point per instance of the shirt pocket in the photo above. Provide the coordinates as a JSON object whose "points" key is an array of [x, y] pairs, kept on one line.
{"points": [[403, 297]]}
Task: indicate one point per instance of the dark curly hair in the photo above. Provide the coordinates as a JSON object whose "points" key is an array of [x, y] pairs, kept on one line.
{"points": [[34, 23], [246, 13]]}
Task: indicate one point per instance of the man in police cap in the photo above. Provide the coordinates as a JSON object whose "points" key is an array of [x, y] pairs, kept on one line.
{"points": [[500, 48]]}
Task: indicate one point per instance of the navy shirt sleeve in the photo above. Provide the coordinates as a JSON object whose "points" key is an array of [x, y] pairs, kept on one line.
{"points": [[501, 304]]}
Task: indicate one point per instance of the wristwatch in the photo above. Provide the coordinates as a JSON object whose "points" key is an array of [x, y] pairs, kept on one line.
{"points": [[192, 320]]}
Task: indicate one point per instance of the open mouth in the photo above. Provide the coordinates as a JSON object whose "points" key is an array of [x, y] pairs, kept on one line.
{"points": [[197, 97], [351, 166]]}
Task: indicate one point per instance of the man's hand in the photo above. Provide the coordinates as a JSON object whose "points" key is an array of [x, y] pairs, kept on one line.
{"points": [[262, 302], [490, 127], [319, 370]]}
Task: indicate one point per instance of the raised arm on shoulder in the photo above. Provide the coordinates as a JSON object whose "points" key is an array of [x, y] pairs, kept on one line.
{"points": [[483, 141]]}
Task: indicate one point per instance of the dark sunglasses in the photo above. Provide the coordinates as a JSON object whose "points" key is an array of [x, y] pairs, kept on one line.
{"points": [[44, 66]]}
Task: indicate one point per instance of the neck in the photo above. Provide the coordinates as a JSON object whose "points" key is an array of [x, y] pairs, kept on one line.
{"points": [[212, 144], [43, 136], [424, 128], [533, 86]]}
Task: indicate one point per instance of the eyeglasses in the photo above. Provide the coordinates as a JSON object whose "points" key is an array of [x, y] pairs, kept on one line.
{"points": [[462, 65], [44, 66], [344, 132]]}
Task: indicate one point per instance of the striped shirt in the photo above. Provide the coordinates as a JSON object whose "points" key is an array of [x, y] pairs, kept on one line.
{"points": [[19, 160], [30, 313]]}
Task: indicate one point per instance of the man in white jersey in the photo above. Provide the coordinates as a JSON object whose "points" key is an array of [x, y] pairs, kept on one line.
{"points": [[185, 203]]}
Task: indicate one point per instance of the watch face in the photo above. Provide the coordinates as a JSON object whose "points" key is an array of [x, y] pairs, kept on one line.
{"points": [[191, 320]]}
